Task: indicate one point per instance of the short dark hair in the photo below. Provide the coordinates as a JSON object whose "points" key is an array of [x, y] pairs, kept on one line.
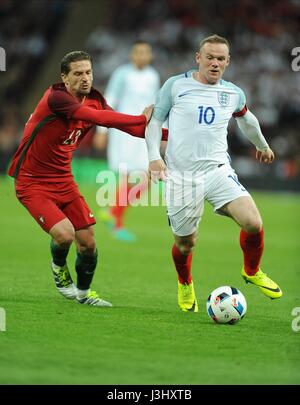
{"points": [[74, 56], [214, 39]]}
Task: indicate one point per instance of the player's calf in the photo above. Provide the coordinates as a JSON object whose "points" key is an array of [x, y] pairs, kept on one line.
{"points": [[85, 268]]}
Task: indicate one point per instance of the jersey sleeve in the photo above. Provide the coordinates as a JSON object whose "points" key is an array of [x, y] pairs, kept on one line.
{"points": [[107, 118], [139, 131], [241, 106], [62, 103], [164, 100]]}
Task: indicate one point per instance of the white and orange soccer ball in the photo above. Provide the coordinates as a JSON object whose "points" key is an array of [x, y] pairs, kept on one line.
{"points": [[226, 305]]}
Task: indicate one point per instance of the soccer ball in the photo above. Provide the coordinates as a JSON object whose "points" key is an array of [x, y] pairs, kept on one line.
{"points": [[226, 305]]}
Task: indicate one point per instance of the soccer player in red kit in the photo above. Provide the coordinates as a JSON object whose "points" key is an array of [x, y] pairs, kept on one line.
{"points": [[42, 170]]}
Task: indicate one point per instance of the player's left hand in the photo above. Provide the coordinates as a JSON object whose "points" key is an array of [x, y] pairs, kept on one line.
{"points": [[265, 156], [148, 112]]}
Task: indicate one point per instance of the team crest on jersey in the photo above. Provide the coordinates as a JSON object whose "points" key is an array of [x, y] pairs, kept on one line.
{"points": [[223, 98]]}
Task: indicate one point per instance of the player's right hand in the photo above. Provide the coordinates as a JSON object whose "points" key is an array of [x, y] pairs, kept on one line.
{"points": [[157, 170], [265, 156], [148, 112]]}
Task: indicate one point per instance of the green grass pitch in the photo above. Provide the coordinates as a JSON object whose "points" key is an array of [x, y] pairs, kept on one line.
{"points": [[144, 338]]}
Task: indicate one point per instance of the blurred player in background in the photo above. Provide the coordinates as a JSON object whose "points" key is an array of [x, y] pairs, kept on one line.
{"points": [[199, 105], [131, 87], [42, 170]]}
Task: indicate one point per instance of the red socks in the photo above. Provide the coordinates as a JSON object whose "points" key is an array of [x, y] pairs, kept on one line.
{"points": [[183, 264], [252, 245]]}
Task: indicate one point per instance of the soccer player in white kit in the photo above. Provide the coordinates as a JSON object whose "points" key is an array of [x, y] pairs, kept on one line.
{"points": [[198, 106], [131, 87]]}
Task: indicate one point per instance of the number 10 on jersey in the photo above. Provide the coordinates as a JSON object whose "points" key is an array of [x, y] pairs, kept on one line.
{"points": [[206, 115]]}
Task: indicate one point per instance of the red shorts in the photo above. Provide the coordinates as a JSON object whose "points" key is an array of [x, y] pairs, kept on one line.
{"points": [[50, 203]]}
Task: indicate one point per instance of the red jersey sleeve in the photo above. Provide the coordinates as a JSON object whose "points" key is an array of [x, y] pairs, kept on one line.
{"points": [[107, 118], [139, 131], [135, 130], [62, 103]]}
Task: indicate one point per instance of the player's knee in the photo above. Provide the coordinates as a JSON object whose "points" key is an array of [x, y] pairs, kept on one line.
{"points": [[185, 250], [65, 237], [89, 250], [87, 247], [253, 225], [186, 246]]}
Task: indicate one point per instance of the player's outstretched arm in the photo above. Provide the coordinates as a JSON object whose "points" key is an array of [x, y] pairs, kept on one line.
{"points": [[139, 130], [250, 127], [108, 118]]}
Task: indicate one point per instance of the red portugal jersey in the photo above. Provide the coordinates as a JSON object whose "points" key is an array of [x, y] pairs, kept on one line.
{"points": [[56, 128]]}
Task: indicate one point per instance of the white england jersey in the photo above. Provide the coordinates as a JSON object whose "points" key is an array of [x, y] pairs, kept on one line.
{"points": [[129, 91], [198, 116]]}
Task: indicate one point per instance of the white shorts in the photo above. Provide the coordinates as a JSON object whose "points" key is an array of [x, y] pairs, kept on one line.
{"points": [[186, 193]]}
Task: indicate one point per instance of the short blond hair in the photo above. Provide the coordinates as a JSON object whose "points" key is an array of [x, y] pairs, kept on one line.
{"points": [[214, 39]]}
